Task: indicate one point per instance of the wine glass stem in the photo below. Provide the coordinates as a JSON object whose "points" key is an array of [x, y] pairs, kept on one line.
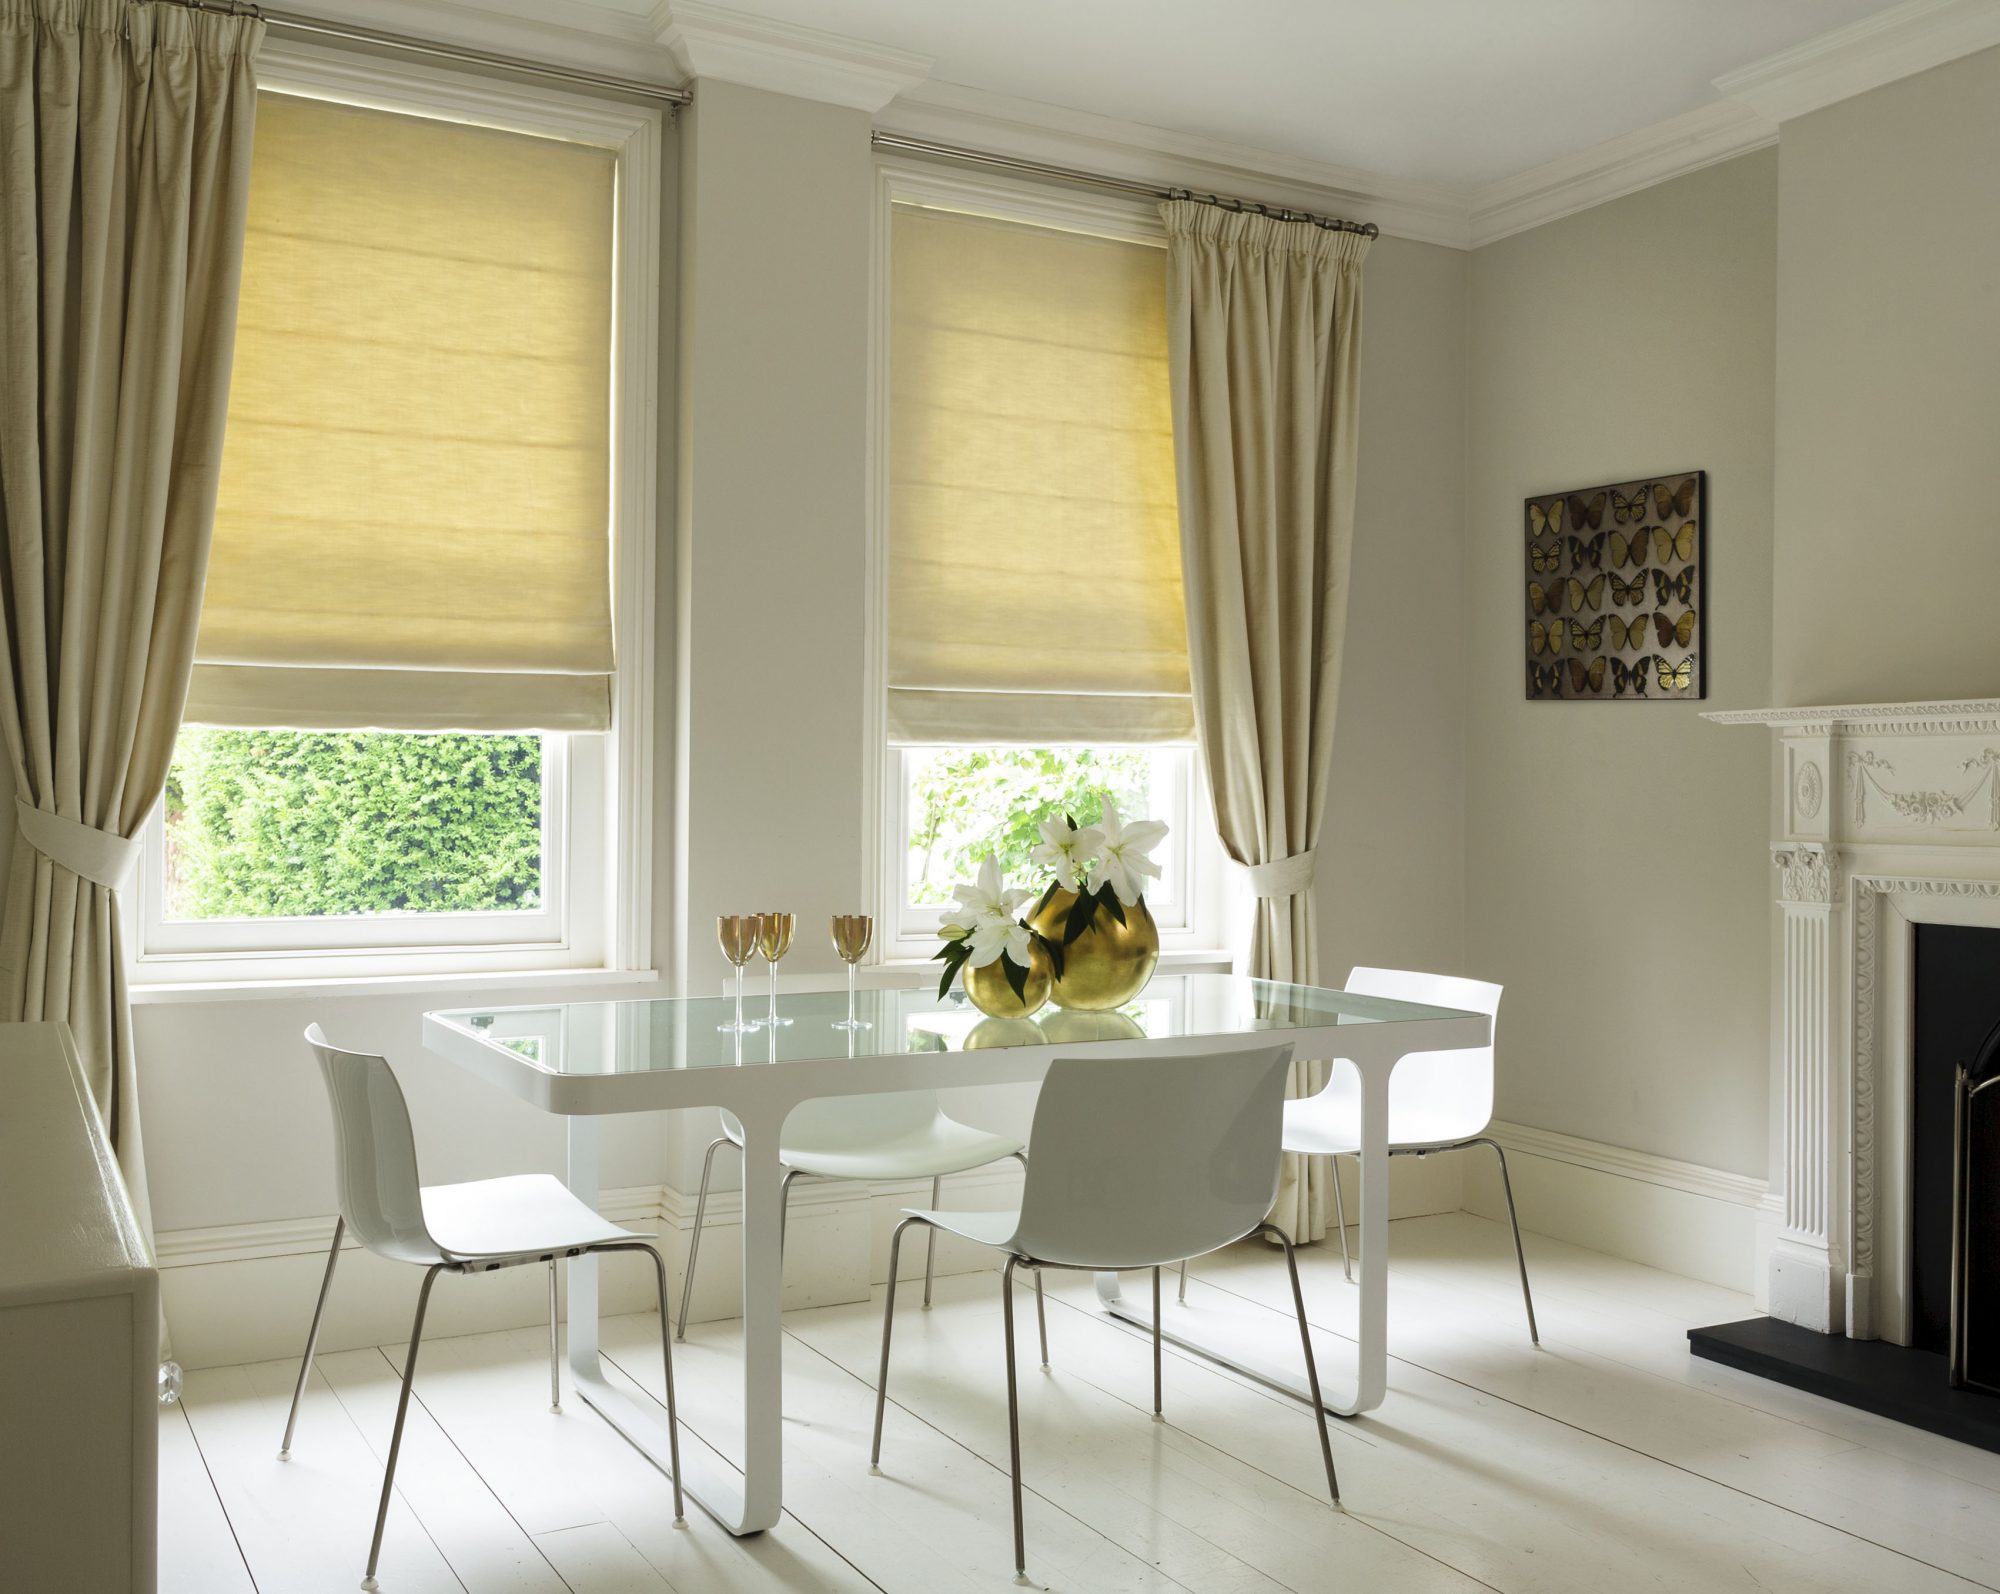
{"points": [[739, 996], [850, 996], [774, 990]]}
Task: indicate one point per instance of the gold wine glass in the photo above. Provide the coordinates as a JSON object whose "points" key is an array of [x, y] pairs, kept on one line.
{"points": [[774, 940], [852, 935], [736, 933]]}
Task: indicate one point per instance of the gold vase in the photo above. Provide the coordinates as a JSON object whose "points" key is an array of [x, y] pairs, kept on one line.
{"points": [[993, 996], [991, 1032], [1109, 963]]}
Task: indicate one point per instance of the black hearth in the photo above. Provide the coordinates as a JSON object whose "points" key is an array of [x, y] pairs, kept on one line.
{"points": [[1957, 1026]]}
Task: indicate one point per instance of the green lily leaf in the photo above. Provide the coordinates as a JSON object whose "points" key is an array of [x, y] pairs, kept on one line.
{"points": [[1110, 899], [1017, 977]]}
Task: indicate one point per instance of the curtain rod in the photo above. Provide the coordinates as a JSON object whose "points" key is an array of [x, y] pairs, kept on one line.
{"points": [[315, 27], [1116, 185]]}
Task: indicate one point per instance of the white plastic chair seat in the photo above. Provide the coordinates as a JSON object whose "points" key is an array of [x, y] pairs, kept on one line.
{"points": [[527, 1214], [995, 1229], [1329, 1124], [942, 1146]]}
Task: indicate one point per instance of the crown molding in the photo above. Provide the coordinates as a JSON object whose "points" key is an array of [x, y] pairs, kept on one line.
{"points": [[1027, 129], [580, 34], [1909, 38], [712, 41], [1617, 167]]}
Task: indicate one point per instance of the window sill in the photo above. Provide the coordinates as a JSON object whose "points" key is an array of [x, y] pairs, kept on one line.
{"points": [[533, 982]]}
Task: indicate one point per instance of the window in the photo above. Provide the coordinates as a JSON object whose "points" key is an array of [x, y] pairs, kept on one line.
{"points": [[415, 736], [1034, 656]]}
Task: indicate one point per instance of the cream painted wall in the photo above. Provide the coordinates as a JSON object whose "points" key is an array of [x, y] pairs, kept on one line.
{"points": [[1616, 852], [1391, 878], [1888, 395]]}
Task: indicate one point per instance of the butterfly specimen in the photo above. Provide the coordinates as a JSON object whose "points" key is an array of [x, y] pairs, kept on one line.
{"points": [[1586, 639], [1545, 600], [1633, 591], [1583, 514], [1582, 676], [1673, 631], [1545, 522], [1671, 545], [1545, 638], [1586, 551], [1630, 677], [1675, 677], [1625, 509], [1679, 588], [1627, 550], [1583, 597], [1544, 680], [1545, 561], [1676, 502], [1628, 634]]}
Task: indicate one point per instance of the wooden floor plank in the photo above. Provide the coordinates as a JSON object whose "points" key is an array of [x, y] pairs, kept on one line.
{"points": [[598, 1559], [198, 1551]]}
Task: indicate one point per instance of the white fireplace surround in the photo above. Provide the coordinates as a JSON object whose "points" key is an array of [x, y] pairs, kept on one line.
{"points": [[1889, 817]]}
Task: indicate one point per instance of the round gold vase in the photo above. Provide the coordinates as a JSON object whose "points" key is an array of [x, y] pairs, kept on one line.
{"points": [[1109, 963], [993, 996]]}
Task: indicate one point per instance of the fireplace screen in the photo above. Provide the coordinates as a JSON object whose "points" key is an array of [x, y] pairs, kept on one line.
{"points": [[1975, 1221]]}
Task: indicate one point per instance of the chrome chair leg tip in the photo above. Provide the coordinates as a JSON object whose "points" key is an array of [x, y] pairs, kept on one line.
{"points": [[284, 1455], [1045, 1366], [680, 1522], [875, 1469], [1022, 1580], [1159, 1416], [370, 1584], [556, 1407]]}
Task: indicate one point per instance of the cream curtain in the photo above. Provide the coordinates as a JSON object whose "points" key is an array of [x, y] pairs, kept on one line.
{"points": [[124, 167], [1034, 560], [1264, 320], [413, 528]]}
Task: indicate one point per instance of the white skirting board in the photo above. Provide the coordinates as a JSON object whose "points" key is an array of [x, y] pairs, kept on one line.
{"points": [[1699, 1222], [244, 1293]]}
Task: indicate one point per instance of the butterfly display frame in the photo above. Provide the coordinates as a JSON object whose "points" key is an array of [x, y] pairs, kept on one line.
{"points": [[1614, 605]]}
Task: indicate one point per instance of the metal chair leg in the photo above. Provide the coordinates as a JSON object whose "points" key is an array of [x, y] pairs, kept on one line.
{"points": [[555, 1364], [667, 1362], [402, 1411], [1312, 1367], [785, 1207], [1013, 1420], [1183, 1289], [888, 1322], [930, 1245], [694, 1240], [1340, 1217], [1041, 1320], [1520, 1255], [312, 1337], [1157, 1414]]}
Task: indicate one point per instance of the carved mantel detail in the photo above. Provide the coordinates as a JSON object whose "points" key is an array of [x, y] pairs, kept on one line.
{"points": [[1805, 874], [1865, 769]]}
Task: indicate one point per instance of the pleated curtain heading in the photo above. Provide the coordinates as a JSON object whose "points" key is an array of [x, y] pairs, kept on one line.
{"points": [[413, 523], [1034, 560]]}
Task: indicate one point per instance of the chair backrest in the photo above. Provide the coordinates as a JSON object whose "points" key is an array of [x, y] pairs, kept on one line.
{"points": [[1449, 1093], [1138, 1161], [374, 1153]]}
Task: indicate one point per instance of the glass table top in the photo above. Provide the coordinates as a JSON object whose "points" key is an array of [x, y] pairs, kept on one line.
{"points": [[689, 1032]]}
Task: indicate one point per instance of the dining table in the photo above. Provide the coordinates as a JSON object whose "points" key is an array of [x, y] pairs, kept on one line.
{"points": [[584, 1060]]}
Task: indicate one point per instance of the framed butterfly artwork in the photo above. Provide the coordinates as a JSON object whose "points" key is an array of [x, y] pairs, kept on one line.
{"points": [[1613, 597]]}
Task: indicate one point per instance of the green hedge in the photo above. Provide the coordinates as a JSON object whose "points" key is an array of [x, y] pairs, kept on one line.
{"points": [[264, 824]]}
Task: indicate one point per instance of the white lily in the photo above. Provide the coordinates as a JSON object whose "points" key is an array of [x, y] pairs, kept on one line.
{"points": [[1069, 853], [1124, 863], [985, 899], [997, 936]]}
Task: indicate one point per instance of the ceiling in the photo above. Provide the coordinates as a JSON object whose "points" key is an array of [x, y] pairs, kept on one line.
{"points": [[1459, 92]]}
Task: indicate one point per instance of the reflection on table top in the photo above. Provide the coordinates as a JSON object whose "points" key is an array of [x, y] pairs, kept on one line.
{"points": [[688, 1032]]}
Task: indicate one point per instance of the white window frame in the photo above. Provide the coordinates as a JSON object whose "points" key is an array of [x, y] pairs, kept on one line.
{"points": [[598, 803], [1199, 931]]}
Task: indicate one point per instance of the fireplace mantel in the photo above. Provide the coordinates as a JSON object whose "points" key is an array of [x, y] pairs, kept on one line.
{"points": [[1889, 817]]}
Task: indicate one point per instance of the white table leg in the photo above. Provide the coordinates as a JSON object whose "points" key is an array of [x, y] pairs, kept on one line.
{"points": [[1371, 1376], [763, 1327], [710, 1484]]}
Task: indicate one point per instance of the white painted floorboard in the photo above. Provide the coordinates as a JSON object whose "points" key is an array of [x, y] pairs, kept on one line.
{"points": [[1608, 1460]]}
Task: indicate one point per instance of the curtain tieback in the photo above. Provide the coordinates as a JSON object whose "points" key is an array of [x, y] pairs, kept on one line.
{"points": [[1284, 877], [101, 856]]}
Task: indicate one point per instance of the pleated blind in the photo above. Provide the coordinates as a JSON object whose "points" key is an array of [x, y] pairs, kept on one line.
{"points": [[1034, 556], [413, 520]]}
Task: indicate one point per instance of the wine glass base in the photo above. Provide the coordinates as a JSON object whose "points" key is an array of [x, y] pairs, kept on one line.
{"points": [[852, 1023], [748, 1027]]}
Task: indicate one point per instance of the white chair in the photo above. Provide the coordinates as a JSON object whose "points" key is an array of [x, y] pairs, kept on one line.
{"points": [[900, 1136], [1438, 1101], [1139, 1163], [458, 1228]]}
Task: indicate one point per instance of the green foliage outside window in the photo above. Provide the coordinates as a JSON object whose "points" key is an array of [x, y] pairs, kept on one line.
{"points": [[966, 802], [264, 824]]}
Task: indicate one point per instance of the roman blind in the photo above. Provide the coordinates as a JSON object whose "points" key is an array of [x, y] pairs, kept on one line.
{"points": [[1034, 552], [412, 528]]}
